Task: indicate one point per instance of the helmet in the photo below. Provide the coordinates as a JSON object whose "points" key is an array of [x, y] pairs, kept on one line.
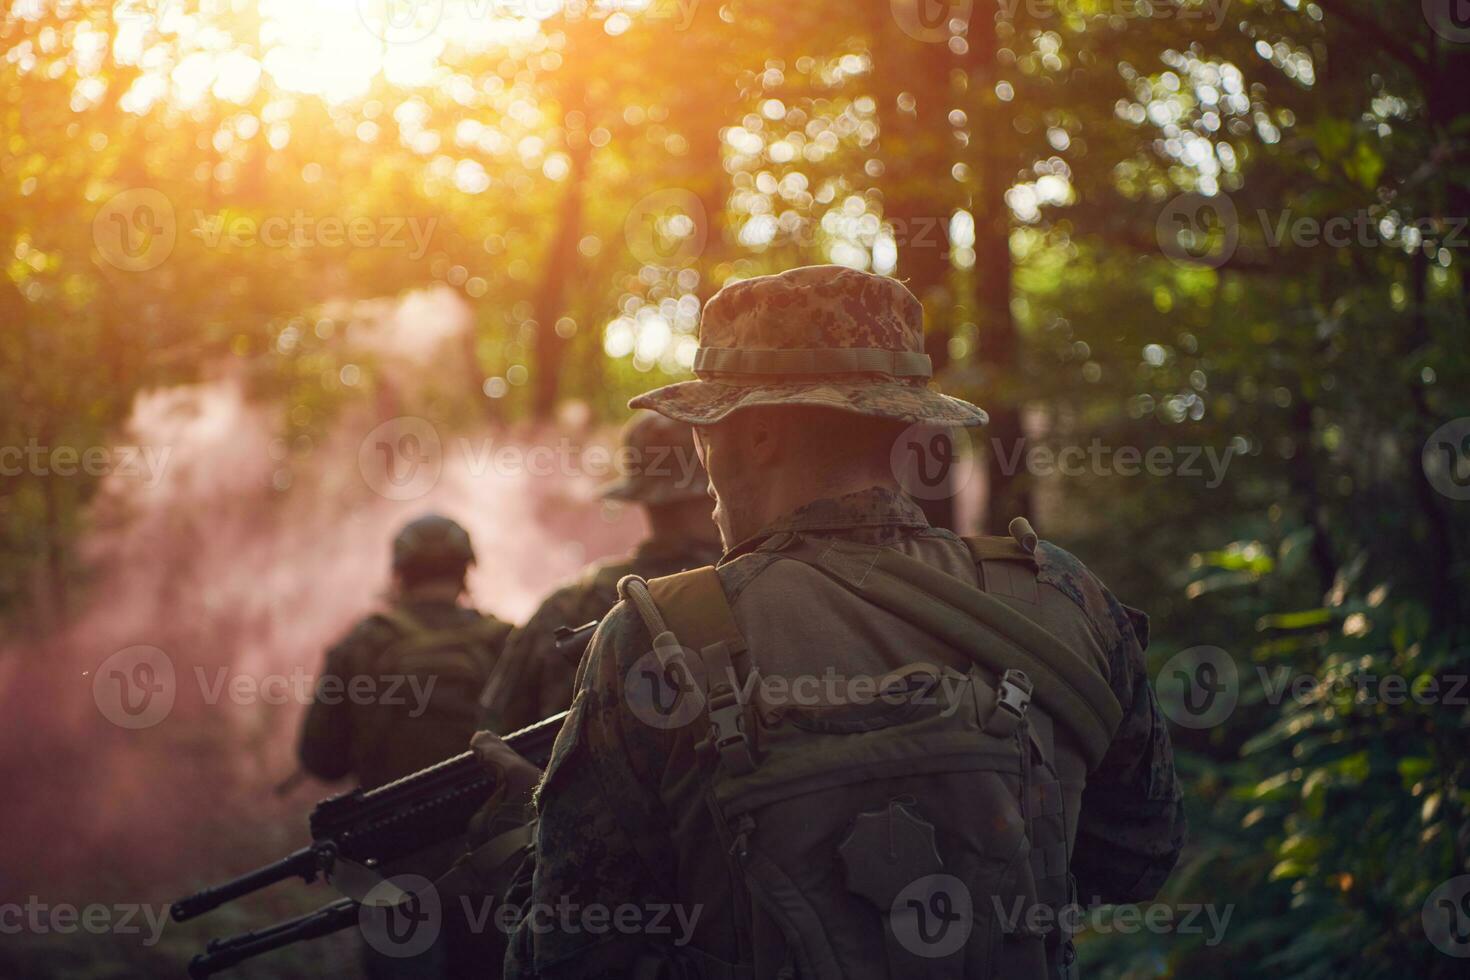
{"points": [[430, 544]]}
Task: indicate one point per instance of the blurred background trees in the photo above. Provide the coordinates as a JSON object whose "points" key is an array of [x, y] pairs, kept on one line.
{"points": [[1117, 214]]}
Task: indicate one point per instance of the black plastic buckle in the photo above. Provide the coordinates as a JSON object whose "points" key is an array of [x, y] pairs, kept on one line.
{"points": [[727, 730], [1012, 698]]}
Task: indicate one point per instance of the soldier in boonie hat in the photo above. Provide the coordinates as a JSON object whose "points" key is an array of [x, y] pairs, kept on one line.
{"points": [[661, 473], [824, 336], [687, 705], [657, 463]]}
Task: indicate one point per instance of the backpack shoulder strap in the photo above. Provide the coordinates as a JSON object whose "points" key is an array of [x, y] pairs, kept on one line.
{"points": [[694, 606], [1006, 565], [401, 620], [998, 548], [688, 613], [980, 625]]}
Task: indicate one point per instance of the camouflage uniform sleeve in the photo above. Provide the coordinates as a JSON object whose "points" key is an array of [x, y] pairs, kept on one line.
{"points": [[534, 681], [601, 843], [325, 747], [515, 682], [1132, 826]]}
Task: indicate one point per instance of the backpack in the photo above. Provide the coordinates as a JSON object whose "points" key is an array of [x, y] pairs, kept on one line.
{"points": [[923, 833], [428, 683]]}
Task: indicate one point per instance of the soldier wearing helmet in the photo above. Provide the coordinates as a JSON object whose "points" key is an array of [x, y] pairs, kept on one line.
{"points": [[661, 473], [399, 691]]}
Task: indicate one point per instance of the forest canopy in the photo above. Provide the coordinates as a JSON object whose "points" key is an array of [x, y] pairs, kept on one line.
{"points": [[1232, 228]]}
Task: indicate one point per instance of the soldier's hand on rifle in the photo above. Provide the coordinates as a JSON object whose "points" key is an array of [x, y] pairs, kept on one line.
{"points": [[518, 776]]}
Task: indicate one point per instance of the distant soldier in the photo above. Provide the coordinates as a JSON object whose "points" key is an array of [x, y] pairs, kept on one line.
{"points": [[661, 473], [399, 692], [861, 747]]}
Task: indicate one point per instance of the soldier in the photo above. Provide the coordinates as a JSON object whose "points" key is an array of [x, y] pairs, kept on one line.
{"points": [[861, 746], [662, 474], [425, 658]]}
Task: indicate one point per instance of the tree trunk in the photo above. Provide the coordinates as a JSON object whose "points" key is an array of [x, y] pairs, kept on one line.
{"points": [[559, 267], [991, 123]]}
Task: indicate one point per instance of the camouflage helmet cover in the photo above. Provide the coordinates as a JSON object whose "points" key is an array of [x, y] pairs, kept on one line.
{"points": [[432, 542], [823, 335], [657, 463]]}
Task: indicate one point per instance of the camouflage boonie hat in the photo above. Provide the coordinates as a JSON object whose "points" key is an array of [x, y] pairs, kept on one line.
{"points": [[661, 464], [822, 335], [432, 543]]}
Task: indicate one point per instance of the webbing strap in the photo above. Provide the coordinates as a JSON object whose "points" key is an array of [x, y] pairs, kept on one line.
{"points": [[695, 615], [840, 360], [401, 620], [981, 626], [998, 548], [694, 606]]}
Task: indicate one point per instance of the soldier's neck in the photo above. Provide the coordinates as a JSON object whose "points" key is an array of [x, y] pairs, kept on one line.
{"points": [[436, 591], [788, 492]]}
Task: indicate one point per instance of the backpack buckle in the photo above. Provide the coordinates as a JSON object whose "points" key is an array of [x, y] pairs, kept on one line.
{"points": [[1012, 698], [727, 730]]}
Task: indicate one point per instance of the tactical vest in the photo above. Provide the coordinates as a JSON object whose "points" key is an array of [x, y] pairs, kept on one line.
{"points": [[426, 695], [922, 833]]}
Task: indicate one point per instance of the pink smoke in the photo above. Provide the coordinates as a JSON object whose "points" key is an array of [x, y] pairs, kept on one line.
{"points": [[240, 552]]}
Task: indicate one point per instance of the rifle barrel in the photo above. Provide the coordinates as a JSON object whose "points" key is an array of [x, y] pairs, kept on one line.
{"points": [[225, 953], [304, 863]]}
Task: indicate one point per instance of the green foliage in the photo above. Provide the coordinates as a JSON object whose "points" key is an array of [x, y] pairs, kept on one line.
{"points": [[1044, 142]]}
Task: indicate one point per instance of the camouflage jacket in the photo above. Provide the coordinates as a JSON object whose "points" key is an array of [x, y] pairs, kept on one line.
{"points": [[608, 838], [340, 734], [534, 680]]}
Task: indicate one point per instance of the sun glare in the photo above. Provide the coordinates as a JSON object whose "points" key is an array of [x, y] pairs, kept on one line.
{"points": [[333, 49]]}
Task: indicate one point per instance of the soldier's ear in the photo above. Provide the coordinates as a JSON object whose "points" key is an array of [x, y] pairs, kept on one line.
{"points": [[763, 439]]}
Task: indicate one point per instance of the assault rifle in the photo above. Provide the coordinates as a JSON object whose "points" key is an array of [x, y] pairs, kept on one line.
{"points": [[356, 832]]}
